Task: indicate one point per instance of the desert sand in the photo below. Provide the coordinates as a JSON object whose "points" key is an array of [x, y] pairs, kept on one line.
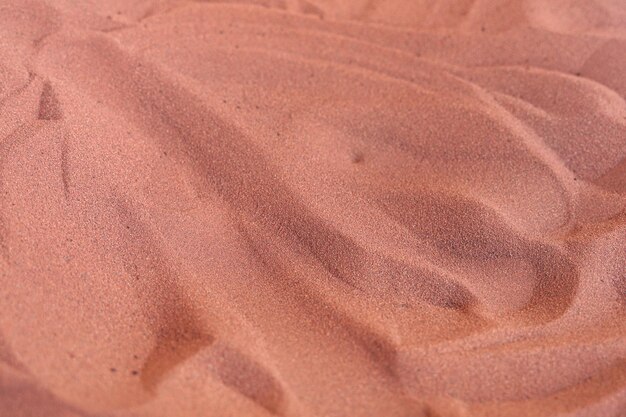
{"points": [[312, 208]]}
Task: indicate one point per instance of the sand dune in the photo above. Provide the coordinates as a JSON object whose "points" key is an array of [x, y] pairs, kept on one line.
{"points": [[312, 208]]}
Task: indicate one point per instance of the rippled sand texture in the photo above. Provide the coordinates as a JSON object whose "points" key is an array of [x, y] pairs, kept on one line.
{"points": [[312, 208]]}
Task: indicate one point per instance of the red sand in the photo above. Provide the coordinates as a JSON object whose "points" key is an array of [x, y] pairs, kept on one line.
{"points": [[312, 208]]}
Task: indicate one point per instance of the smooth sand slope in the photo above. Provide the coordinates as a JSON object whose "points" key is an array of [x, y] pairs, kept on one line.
{"points": [[312, 208]]}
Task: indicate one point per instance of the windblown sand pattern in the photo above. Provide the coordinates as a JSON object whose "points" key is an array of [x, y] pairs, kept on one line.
{"points": [[312, 208]]}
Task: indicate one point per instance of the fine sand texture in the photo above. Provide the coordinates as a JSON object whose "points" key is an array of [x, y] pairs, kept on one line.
{"points": [[312, 208]]}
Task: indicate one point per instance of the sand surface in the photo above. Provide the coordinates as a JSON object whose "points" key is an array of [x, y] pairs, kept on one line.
{"points": [[312, 208]]}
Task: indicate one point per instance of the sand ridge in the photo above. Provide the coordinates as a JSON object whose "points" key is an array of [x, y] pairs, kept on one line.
{"points": [[312, 208]]}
